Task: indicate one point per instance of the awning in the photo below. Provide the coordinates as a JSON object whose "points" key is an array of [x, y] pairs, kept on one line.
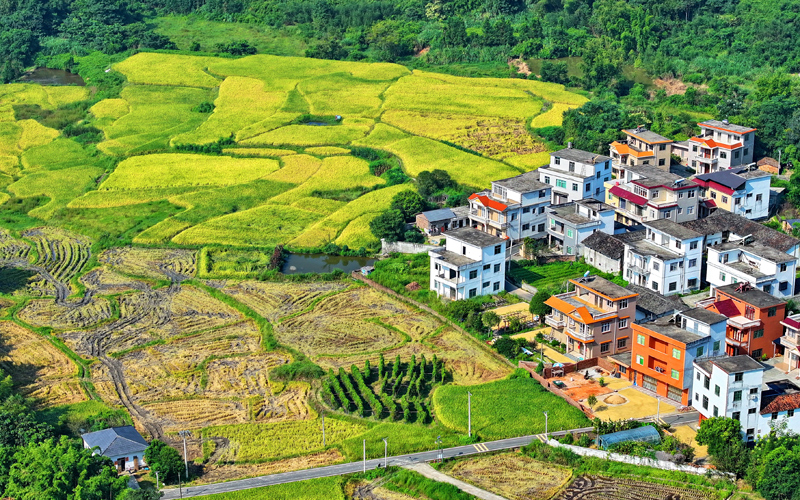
{"points": [[627, 195]]}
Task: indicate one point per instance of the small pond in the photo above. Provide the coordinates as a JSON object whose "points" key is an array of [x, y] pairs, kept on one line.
{"points": [[47, 76], [320, 263]]}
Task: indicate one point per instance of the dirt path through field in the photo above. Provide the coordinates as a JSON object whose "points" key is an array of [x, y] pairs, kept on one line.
{"points": [[426, 470]]}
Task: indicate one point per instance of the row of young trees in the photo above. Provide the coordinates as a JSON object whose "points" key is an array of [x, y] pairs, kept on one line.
{"points": [[377, 391]]}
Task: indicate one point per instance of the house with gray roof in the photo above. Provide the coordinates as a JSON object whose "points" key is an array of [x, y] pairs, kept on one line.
{"points": [[651, 305], [435, 222], [470, 264], [123, 445], [570, 224], [604, 251], [721, 145], [574, 174]]}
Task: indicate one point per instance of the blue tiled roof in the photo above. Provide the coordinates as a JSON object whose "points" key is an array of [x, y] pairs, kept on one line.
{"points": [[440, 214], [116, 441]]}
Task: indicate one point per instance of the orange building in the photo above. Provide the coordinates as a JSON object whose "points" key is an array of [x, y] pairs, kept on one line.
{"points": [[754, 319], [593, 320]]}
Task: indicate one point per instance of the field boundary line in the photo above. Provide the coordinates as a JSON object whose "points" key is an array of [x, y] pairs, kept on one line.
{"points": [[445, 320]]}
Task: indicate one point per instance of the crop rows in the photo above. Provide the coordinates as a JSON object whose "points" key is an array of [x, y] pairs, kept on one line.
{"points": [[61, 253], [601, 488]]}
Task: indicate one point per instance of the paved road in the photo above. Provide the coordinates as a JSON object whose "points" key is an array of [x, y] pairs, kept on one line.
{"points": [[401, 460], [349, 468]]}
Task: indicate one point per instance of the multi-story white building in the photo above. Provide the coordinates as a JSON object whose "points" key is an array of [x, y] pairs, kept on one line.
{"points": [[764, 267], [514, 208], [721, 145], [647, 194], [730, 387], [640, 148], [571, 223], [575, 175], [471, 263], [738, 190], [668, 260]]}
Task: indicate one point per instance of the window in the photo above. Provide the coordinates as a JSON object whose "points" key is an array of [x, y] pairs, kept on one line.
{"points": [[661, 162], [541, 210], [700, 351], [608, 164], [668, 214], [623, 323], [605, 347], [754, 390], [774, 415], [473, 274], [680, 211], [680, 195], [655, 194], [737, 415], [569, 250], [526, 210], [486, 284], [723, 154], [473, 292], [738, 377], [547, 179], [496, 286], [722, 276], [758, 333], [675, 375], [497, 268], [790, 413], [654, 285], [736, 154], [487, 267], [714, 194], [706, 382], [757, 353], [692, 282], [716, 345], [561, 183], [574, 186], [716, 390], [526, 227], [698, 378], [623, 303], [677, 242], [640, 360], [673, 286], [598, 175], [588, 188], [716, 411], [572, 166], [498, 249], [690, 193], [656, 266], [676, 353], [705, 402], [692, 262], [751, 411], [621, 343], [542, 193], [673, 266], [605, 327], [662, 147], [557, 160], [758, 197], [569, 233], [783, 286], [690, 210], [652, 214], [640, 339], [694, 149], [724, 199], [540, 228], [783, 267], [772, 311]]}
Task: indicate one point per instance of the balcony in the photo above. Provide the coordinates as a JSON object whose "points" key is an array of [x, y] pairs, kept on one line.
{"points": [[737, 341], [554, 322], [641, 271], [742, 323], [474, 214], [705, 302], [584, 336], [455, 279]]}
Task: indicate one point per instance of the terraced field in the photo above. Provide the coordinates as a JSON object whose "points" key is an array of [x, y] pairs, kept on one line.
{"points": [[267, 185]]}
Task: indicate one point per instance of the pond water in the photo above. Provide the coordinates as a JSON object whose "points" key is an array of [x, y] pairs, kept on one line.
{"points": [[47, 76], [636, 75], [320, 263]]}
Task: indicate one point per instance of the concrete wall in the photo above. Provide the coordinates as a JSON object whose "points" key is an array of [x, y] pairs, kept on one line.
{"points": [[405, 247]]}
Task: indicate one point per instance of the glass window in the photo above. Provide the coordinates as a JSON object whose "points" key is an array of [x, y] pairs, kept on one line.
{"points": [[676, 353], [700, 351], [473, 274], [738, 377], [640, 339], [737, 395], [605, 327], [692, 262], [496, 286], [758, 333], [716, 345], [561, 183], [497, 268], [486, 284], [623, 303], [640, 360], [473, 292], [716, 390], [569, 233], [605, 347], [557, 160], [675, 374], [621, 343], [705, 402], [574, 186], [716, 412], [547, 179], [486, 267], [498, 249], [772, 311], [623, 323]]}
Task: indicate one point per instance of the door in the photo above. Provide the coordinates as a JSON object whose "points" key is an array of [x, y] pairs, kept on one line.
{"points": [[650, 383], [674, 394]]}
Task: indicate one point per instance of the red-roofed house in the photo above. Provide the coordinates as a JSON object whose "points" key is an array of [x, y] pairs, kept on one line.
{"points": [[790, 343], [640, 148], [719, 146]]}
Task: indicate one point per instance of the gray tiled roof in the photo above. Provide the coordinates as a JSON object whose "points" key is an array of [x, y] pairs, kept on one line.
{"points": [[721, 221], [523, 183], [456, 259], [673, 229], [647, 135], [580, 155], [474, 237], [655, 303], [604, 287], [116, 441], [704, 315], [760, 250], [726, 126], [440, 214], [605, 244], [734, 364], [666, 327], [752, 295]]}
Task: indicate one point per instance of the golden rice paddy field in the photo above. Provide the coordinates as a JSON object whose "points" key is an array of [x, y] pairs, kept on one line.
{"points": [[272, 180]]}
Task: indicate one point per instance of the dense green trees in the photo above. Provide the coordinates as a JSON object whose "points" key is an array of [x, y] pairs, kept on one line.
{"points": [[164, 459]]}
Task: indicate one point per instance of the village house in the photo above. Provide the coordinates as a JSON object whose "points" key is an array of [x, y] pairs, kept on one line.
{"points": [[123, 445], [738, 190], [651, 305], [594, 319], [789, 344], [754, 319], [470, 264], [769, 165], [720, 145], [436, 222], [514, 208], [668, 260], [648, 194], [571, 223], [749, 260], [640, 148], [604, 251], [663, 351], [574, 175]]}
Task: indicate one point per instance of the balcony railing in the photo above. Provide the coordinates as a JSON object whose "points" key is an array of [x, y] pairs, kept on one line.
{"points": [[604, 315], [705, 302], [743, 323], [587, 336], [554, 322], [454, 279], [642, 271]]}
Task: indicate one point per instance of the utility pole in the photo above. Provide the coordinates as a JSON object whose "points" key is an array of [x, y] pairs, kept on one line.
{"points": [[439, 445], [658, 409], [183, 434], [158, 487], [364, 451], [323, 429], [469, 414], [545, 426], [385, 453]]}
